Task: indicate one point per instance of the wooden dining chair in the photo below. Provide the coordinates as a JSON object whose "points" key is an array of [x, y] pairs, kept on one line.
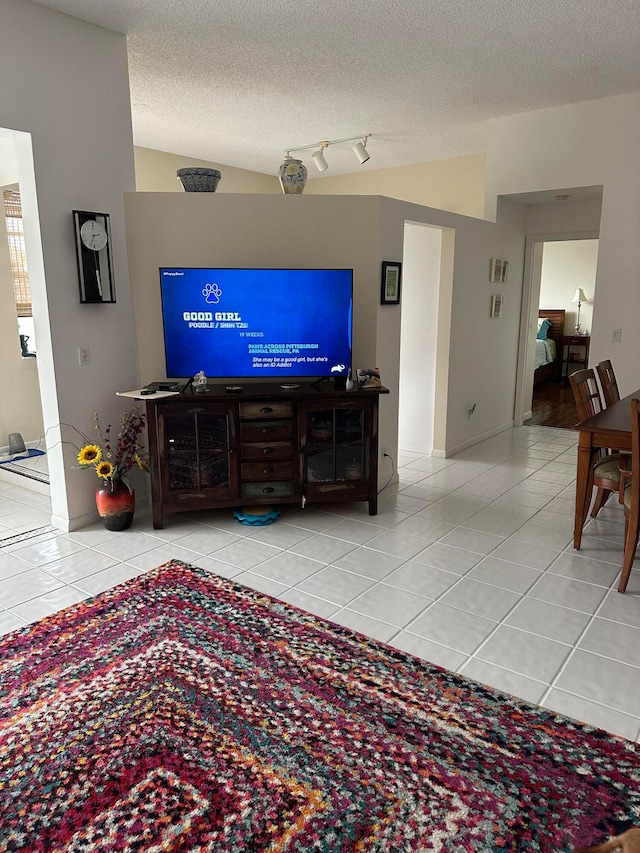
{"points": [[630, 499], [608, 382], [605, 465]]}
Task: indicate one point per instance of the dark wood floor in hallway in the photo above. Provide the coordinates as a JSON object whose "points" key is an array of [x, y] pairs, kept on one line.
{"points": [[553, 405]]}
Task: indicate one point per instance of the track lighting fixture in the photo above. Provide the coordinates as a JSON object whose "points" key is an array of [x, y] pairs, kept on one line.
{"points": [[359, 149]]}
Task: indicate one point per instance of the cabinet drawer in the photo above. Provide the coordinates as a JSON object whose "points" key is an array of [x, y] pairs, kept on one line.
{"points": [[268, 450], [268, 470], [266, 430], [254, 411], [271, 488]]}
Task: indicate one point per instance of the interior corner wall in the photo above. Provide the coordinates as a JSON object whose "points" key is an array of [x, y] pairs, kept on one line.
{"points": [[156, 172], [586, 144], [74, 151], [478, 361]]}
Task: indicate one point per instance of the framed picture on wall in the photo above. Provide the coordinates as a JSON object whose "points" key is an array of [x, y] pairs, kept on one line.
{"points": [[391, 279], [498, 270], [497, 301]]}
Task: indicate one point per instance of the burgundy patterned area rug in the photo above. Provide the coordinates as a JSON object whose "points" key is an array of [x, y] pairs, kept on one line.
{"points": [[182, 712]]}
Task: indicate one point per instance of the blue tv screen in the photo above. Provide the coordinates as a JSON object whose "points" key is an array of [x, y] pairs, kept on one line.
{"points": [[253, 323]]}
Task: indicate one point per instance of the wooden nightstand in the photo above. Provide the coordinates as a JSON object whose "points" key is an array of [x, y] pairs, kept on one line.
{"points": [[575, 353]]}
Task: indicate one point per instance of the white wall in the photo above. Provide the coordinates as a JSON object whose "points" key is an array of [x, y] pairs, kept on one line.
{"points": [[73, 150], [587, 144], [418, 336]]}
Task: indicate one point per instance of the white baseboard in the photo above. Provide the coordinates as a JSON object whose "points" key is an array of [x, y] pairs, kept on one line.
{"points": [[445, 454], [69, 525]]}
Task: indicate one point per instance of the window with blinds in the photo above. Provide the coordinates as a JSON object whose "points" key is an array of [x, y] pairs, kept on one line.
{"points": [[17, 252]]}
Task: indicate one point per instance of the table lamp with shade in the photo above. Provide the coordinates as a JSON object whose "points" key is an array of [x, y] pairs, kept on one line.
{"points": [[579, 297]]}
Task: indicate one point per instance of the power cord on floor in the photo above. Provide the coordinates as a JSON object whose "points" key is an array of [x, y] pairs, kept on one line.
{"points": [[393, 471]]}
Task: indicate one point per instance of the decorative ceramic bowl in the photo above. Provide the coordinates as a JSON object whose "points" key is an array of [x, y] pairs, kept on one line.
{"points": [[199, 180]]}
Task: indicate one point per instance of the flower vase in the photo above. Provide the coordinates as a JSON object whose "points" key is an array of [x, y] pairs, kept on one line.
{"points": [[116, 503]]}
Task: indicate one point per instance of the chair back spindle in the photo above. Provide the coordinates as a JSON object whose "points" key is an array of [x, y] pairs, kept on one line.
{"points": [[608, 383]]}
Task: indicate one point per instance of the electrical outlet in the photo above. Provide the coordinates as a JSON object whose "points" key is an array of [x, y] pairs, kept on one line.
{"points": [[84, 356], [617, 336]]}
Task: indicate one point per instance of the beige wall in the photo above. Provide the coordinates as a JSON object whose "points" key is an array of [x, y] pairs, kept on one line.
{"points": [[456, 184], [156, 172], [21, 410]]}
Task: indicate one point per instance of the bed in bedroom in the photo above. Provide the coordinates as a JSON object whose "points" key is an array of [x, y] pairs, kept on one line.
{"points": [[548, 362]]}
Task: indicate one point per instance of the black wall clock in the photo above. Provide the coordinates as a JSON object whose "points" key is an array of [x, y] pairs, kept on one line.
{"points": [[93, 252]]}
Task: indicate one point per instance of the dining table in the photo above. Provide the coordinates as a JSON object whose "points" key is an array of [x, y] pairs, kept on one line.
{"points": [[610, 428]]}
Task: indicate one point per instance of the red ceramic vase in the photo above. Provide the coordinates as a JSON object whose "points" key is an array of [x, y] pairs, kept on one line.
{"points": [[116, 503]]}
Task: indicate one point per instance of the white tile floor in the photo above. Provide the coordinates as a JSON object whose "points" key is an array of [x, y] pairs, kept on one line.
{"points": [[468, 564]]}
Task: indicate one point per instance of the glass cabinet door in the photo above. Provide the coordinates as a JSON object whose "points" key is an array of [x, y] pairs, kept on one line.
{"points": [[335, 446], [197, 445]]}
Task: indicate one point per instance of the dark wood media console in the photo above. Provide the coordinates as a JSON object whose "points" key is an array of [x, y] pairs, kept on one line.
{"points": [[263, 445]]}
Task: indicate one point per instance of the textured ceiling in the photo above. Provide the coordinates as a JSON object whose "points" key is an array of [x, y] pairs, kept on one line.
{"points": [[239, 81]]}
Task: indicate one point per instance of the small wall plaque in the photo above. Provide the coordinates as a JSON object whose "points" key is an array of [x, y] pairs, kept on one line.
{"points": [[498, 270]]}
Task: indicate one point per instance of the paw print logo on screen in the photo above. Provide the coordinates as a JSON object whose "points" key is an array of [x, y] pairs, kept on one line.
{"points": [[212, 294]]}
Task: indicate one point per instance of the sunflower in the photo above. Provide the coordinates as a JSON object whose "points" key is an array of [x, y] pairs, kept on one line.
{"points": [[90, 454], [104, 469]]}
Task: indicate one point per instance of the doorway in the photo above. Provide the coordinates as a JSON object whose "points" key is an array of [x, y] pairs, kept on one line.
{"points": [[568, 280], [22, 407], [557, 268], [426, 300]]}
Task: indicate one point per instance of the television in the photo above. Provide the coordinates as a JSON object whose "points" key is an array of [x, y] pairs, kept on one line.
{"points": [[255, 323]]}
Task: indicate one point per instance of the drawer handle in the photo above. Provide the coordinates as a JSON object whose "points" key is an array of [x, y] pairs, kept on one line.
{"points": [[266, 430], [267, 470], [268, 450], [268, 490], [266, 409]]}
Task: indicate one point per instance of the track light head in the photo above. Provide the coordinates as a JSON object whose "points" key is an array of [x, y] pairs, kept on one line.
{"points": [[359, 149], [318, 158]]}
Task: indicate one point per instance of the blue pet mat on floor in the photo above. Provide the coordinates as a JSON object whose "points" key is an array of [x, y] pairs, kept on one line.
{"points": [[30, 452]]}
